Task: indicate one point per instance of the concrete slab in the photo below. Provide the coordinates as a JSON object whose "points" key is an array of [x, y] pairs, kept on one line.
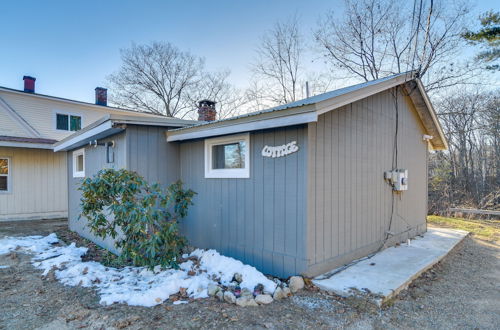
{"points": [[393, 269]]}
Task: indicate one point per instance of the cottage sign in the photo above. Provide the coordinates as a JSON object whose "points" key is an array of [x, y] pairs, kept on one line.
{"points": [[280, 151]]}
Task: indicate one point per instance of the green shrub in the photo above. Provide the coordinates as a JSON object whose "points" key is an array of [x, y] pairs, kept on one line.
{"points": [[116, 201]]}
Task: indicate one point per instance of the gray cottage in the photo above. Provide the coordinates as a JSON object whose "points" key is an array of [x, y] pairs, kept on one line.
{"points": [[297, 189]]}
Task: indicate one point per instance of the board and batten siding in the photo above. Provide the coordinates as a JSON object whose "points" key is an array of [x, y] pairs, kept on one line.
{"points": [[260, 220], [349, 203], [143, 149], [95, 160], [150, 155], [38, 185]]}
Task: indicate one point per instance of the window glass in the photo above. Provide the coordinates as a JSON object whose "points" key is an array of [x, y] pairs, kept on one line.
{"points": [[4, 166], [3, 183], [231, 155], [4, 174], [75, 123], [62, 122], [79, 163]]}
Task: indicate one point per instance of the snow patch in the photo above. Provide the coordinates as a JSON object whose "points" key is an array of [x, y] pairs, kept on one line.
{"points": [[136, 286]]}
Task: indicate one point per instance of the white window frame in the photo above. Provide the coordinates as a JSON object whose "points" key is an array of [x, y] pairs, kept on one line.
{"points": [[76, 173], [69, 114], [9, 175], [227, 173]]}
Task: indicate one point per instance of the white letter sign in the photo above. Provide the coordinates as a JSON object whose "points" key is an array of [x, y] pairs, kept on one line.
{"points": [[280, 151]]}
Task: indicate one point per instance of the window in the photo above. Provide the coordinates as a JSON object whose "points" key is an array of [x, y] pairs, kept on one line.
{"points": [[228, 157], [67, 122], [79, 163], [4, 174]]}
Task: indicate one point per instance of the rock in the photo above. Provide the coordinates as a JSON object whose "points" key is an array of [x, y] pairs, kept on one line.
{"points": [[246, 292], [287, 292], [296, 283], [238, 277], [212, 290], [259, 288], [220, 295], [279, 294], [246, 301], [229, 297], [263, 299]]}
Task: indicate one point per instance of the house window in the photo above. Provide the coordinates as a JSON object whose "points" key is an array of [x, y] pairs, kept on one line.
{"points": [[228, 157], [4, 174], [79, 163], [67, 122]]}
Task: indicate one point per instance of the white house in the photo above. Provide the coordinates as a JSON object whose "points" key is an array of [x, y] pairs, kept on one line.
{"points": [[33, 181]]}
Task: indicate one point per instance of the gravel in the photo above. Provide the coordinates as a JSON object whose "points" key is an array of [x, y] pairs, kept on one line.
{"points": [[460, 292]]}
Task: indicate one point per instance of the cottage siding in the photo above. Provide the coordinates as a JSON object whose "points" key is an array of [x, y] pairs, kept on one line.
{"points": [[95, 160], [37, 185], [348, 202], [259, 220], [150, 155]]}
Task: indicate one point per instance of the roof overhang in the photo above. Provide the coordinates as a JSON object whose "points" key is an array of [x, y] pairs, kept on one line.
{"points": [[308, 111], [248, 124], [425, 110], [26, 142], [111, 125]]}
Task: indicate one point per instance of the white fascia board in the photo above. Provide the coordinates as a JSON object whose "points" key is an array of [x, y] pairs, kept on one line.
{"points": [[245, 127], [16, 144], [94, 131], [351, 97]]}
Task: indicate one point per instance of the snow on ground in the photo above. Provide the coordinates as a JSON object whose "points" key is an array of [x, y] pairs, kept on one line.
{"points": [[135, 286]]}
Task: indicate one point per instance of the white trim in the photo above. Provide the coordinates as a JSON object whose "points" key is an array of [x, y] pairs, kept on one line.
{"points": [[96, 130], [76, 173], [17, 118], [16, 144], [249, 126], [69, 114], [228, 172], [8, 175]]}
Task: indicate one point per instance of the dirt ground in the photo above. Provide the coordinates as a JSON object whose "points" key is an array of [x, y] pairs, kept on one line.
{"points": [[461, 292]]}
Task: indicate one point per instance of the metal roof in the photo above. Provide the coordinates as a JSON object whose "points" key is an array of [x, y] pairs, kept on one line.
{"points": [[308, 101]]}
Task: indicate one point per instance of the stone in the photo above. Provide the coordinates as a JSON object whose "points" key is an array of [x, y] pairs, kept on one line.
{"points": [[279, 294], [238, 277], [229, 297], [212, 290], [246, 301], [246, 292], [287, 292], [220, 295], [263, 299], [296, 283]]}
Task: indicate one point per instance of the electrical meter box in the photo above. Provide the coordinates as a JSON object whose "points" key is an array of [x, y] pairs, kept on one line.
{"points": [[398, 179]]}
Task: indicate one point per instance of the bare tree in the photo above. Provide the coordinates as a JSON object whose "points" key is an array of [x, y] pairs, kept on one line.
{"points": [[468, 174], [376, 38], [278, 63], [214, 86], [160, 78]]}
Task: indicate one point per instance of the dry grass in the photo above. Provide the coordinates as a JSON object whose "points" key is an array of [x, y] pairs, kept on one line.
{"points": [[488, 230]]}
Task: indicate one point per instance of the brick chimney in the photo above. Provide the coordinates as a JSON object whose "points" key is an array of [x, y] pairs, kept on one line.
{"points": [[29, 84], [206, 110], [101, 96]]}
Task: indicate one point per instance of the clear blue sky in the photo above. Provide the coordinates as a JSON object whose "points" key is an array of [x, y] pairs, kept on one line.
{"points": [[71, 46]]}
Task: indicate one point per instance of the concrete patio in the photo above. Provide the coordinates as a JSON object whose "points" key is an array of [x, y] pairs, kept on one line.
{"points": [[393, 269]]}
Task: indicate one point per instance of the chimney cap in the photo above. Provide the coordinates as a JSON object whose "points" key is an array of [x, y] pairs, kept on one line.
{"points": [[207, 102], [101, 88], [29, 77]]}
